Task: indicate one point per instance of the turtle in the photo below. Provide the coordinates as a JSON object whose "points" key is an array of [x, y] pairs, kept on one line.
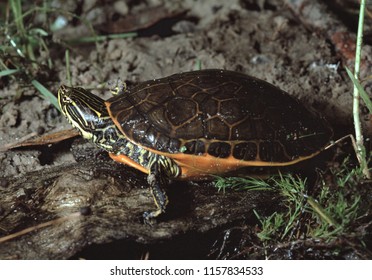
{"points": [[196, 125]]}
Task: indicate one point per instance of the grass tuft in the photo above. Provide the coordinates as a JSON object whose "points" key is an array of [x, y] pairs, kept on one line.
{"points": [[319, 216], [241, 184], [327, 215]]}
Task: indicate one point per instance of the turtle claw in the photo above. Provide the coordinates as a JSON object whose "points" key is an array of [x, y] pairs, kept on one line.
{"points": [[119, 87], [149, 218]]}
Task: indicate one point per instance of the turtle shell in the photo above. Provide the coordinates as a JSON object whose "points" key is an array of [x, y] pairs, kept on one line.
{"points": [[219, 114]]}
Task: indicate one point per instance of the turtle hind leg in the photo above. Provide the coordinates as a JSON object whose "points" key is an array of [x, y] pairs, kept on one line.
{"points": [[156, 180]]}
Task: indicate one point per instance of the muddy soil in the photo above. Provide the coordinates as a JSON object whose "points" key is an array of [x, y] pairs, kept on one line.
{"points": [[274, 40]]}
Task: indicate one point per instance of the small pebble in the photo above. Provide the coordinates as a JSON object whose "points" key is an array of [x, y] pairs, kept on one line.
{"points": [[40, 130], [85, 211], [4, 183], [121, 7]]}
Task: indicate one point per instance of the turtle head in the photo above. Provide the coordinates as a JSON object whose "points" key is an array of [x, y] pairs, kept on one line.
{"points": [[84, 110]]}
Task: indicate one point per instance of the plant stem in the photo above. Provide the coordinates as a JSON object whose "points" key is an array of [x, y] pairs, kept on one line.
{"points": [[68, 73], [357, 125]]}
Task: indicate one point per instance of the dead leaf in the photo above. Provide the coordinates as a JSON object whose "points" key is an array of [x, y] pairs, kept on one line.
{"points": [[42, 140]]}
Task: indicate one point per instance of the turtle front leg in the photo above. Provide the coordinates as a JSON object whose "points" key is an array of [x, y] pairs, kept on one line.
{"points": [[156, 181], [161, 170]]}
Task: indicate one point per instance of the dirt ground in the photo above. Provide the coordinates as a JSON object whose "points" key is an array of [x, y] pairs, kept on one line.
{"points": [[301, 47]]}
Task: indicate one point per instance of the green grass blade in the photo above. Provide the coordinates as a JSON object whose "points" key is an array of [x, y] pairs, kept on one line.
{"points": [[8, 72], [16, 6], [198, 64], [68, 70], [361, 90], [46, 93], [321, 212]]}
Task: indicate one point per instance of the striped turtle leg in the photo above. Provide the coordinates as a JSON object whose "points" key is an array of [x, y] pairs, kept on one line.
{"points": [[161, 170], [156, 181]]}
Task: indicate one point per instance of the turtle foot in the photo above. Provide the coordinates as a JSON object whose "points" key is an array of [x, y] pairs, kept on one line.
{"points": [[149, 218]]}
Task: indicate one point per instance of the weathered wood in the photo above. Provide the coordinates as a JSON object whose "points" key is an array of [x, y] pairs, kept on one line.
{"points": [[117, 196]]}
